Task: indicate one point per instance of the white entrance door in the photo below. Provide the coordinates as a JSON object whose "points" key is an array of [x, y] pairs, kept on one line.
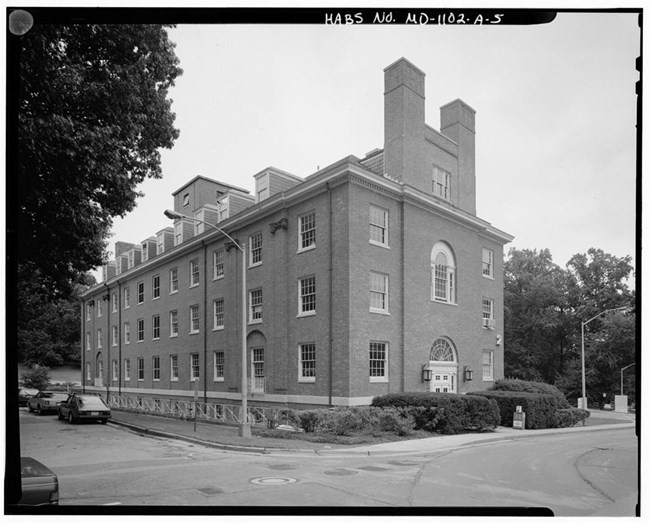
{"points": [[444, 378]]}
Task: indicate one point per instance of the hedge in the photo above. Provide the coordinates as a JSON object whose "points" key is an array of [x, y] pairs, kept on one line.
{"points": [[529, 386], [446, 413], [539, 408], [569, 417]]}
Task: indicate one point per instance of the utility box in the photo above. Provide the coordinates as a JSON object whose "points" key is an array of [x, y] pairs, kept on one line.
{"points": [[519, 419], [620, 403]]}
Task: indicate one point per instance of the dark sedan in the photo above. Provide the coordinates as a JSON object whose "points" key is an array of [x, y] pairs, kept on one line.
{"points": [[40, 485], [46, 402], [77, 408]]}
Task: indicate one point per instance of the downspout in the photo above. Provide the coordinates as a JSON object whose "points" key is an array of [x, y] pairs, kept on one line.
{"points": [[83, 346], [119, 338], [331, 300], [205, 322], [108, 341], [402, 230]]}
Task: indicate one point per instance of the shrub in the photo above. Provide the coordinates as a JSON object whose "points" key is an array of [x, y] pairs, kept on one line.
{"points": [[446, 413], [566, 418], [395, 420], [281, 416], [37, 377], [539, 408], [309, 419], [529, 386], [340, 421]]}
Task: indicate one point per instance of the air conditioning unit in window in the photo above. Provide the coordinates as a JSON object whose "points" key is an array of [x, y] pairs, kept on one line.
{"points": [[489, 323]]}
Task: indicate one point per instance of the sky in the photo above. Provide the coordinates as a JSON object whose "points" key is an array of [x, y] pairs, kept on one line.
{"points": [[555, 116]]}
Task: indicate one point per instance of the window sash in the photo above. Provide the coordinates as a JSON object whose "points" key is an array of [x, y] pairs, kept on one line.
{"points": [[378, 225], [194, 319], [256, 304], [127, 369], [194, 366], [155, 284], [140, 292], [308, 295], [377, 360], [173, 367], [156, 327], [173, 323], [140, 369], [488, 365], [307, 231], [308, 361], [256, 248], [173, 280], [219, 364], [218, 313], [156, 368], [140, 330], [194, 272], [217, 271], [378, 292]]}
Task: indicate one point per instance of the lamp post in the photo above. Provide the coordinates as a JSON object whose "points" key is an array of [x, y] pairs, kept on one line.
{"points": [[623, 369], [583, 400], [244, 425]]}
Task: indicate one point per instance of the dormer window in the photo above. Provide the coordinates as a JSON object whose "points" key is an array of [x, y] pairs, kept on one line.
{"points": [[186, 199], [262, 188], [441, 183], [223, 209]]}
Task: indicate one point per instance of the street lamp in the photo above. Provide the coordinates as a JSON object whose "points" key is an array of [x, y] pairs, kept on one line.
{"points": [[583, 400], [623, 369], [244, 425]]}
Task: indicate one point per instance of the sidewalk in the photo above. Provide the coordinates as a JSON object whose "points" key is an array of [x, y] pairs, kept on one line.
{"points": [[227, 438]]}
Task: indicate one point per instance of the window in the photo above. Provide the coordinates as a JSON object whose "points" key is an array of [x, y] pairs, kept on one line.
{"points": [[258, 366], [488, 313], [140, 292], [160, 243], [222, 206], [99, 308], [130, 258], [217, 267], [88, 342], [307, 229], [307, 298], [155, 287], [378, 226], [127, 369], [441, 351], [114, 335], [194, 319], [262, 188], [114, 369], [443, 274], [488, 263], [488, 365], [199, 222], [218, 366], [173, 323], [99, 339], [255, 311], [307, 363], [194, 272], [140, 369], [145, 251], [186, 199], [441, 183], [114, 302], [255, 243], [127, 298], [140, 333], [173, 280], [89, 376], [87, 312], [194, 366], [156, 368], [127, 333], [173, 368], [178, 232], [218, 314], [378, 362], [156, 327], [378, 292]]}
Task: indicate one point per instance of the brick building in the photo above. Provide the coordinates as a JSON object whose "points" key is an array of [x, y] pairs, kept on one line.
{"points": [[370, 276]]}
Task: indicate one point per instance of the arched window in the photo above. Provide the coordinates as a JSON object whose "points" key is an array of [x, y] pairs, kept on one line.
{"points": [[443, 274], [441, 351]]}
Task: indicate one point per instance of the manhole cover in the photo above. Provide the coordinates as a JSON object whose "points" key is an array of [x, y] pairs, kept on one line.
{"points": [[210, 491], [341, 472], [273, 481], [282, 467], [373, 468]]}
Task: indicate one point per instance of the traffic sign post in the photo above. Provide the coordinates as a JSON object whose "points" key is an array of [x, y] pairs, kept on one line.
{"points": [[519, 419]]}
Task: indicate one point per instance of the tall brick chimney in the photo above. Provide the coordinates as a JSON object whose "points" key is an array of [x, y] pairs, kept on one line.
{"points": [[404, 126]]}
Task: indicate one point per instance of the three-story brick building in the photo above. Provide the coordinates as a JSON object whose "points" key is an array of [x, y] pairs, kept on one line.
{"points": [[370, 276]]}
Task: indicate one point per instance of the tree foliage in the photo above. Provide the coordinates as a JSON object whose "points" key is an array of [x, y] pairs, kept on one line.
{"points": [[38, 377], [545, 307], [93, 113]]}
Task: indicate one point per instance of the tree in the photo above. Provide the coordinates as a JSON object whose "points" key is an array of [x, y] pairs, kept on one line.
{"points": [[92, 115], [37, 377], [535, 315]]}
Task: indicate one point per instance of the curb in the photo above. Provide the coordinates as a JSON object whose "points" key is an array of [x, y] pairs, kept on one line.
{"points": [[365, 451]]}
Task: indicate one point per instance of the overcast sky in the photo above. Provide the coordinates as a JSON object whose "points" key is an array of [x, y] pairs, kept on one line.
{"points": [[555, 103]]}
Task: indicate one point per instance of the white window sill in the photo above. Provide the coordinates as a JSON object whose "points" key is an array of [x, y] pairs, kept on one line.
{"points": [[442, 302], [194, 285], [218, 328], [155, 338], [156, 380], [173, 292], [379, 244], [488, 380], [305, 249], [173, 379], [378, 379], [219, 379], [306, 314], [380, 312], [307, 380], [194, 332], [489, 277], [175, 335], [257, 321], [220, 277], [156, 298], [257, 264]]}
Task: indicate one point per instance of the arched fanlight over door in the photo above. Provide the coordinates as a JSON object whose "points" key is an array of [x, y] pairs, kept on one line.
{"points": [[444, 367]]}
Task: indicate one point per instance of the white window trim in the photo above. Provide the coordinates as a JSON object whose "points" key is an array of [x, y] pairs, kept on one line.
{"points": [[252, 264], [301, 378], [215, 378], [491, 377], [215, 327], [451, 280], [173, 291], [385, 310], [302, 313], [300, 232], [251, 320], [214, 264], [488, 323], [137, 364], [173, 335], [138, 331], [153, 288], [386, 243], [127, 369], [385, 377], [491, 262], [173, 378], [192, 273], [127, 331], [153, 369], [153, 328], [198, 316], [198, 375]]}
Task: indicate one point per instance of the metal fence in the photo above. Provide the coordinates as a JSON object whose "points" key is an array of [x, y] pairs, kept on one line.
{"points": [[188, 410]]}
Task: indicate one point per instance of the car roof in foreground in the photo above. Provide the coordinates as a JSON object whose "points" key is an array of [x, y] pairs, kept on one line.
{"points": [[30, 467]]}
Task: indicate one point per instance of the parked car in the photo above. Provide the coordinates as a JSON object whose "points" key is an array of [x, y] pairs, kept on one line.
{"points": [[46, 401], [24, 394], [40, 485], [84, 407]]}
